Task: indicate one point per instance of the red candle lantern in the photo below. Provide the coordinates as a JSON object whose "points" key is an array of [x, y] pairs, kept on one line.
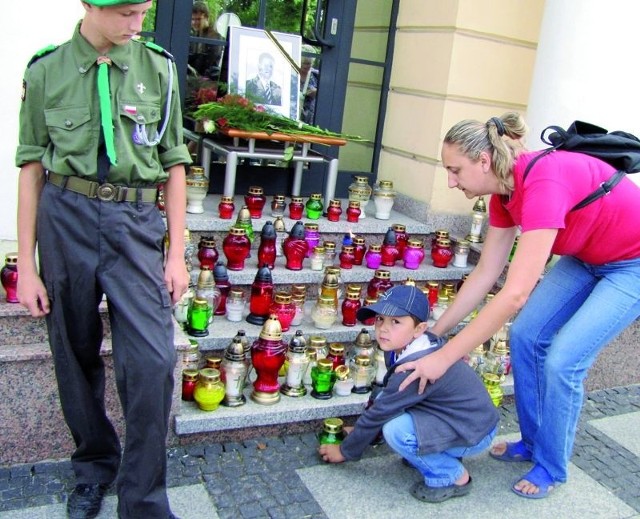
{"points": [[380, 283], [255, 201], [433, 287], [226, 208], [236, 247], [207, 252], [261, 296], [442, 254], [336, 354], [389, 248], [284, 309], [221, 278], [353, 211], [9, 277], [347, 257], [401, 238], [295, 247], [359, 250], [350, 307], [296, 207], [189, 380], [267, 248], [334, 211], [439, 234], [368, 301], [267, 355]]}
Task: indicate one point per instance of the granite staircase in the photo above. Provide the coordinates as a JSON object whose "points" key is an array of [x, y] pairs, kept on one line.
{"points": [[31, 423]]}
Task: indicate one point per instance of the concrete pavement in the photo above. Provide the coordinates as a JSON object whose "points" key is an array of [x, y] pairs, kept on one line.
{"points": [[281, 477]]}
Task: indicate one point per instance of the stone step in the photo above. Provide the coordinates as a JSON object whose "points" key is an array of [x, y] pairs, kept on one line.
{"points": [[192, 420], [283, 277], [18, 327], [208, 221]]}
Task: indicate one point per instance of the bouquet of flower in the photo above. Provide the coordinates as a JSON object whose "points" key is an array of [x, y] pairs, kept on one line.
{"points": [[234, 111]]}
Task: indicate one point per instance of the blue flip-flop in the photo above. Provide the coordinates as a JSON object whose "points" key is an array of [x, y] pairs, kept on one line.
{"points": [[539, 477], [515, 452]]}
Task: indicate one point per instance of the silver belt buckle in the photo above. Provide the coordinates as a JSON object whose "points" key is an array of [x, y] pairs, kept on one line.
{"points": [[106, 192]]}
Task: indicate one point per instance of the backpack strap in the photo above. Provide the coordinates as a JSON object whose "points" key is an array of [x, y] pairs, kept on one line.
{"points": [[604, 189], [560, 136]]}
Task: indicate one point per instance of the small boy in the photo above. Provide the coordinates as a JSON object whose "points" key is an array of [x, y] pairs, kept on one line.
{"points": [[432, 431]]}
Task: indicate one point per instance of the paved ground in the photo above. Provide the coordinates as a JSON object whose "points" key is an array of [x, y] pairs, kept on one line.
{"points": [[283, 478]]}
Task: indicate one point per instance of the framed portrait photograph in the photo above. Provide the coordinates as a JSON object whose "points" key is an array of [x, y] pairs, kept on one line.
{"points": [[261, 70]]}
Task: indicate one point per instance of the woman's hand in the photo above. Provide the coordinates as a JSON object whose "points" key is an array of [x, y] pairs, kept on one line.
{"points": [[428, 369], [331, 453]]}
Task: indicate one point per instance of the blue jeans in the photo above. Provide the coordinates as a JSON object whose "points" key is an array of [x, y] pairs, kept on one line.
{"points": [[439, 469], [572, 314]]}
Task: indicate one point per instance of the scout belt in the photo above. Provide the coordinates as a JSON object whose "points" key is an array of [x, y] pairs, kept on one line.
{"points": [[105, 192]]}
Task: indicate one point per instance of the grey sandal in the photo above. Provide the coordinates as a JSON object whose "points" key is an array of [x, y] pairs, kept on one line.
{"points": [[438, 494]]}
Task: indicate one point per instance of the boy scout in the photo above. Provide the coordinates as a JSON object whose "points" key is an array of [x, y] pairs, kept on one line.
{"points": [[100, 128]]}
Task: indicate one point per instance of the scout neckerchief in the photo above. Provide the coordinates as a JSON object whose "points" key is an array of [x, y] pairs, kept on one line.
{"points": [[104, 96]]}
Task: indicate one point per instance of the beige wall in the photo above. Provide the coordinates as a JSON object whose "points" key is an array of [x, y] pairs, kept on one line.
{"points": [[453, 60]]}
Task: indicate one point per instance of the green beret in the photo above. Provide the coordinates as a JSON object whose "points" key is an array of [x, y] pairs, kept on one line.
{"points": [[108, 3]]}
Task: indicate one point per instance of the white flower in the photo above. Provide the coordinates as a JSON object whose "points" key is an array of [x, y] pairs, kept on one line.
{"points": [[209, 126]]}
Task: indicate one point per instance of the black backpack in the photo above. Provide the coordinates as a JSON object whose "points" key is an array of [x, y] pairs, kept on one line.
{"points": [[620, 149]]}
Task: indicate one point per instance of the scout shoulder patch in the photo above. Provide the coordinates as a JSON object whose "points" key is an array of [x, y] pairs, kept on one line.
{"points": [[41, 53], [156, 48]]}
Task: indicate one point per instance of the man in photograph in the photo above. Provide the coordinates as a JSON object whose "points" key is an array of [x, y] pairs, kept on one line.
{"points": [[261, 89]]}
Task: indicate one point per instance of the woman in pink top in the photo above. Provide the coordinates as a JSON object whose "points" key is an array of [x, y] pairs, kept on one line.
{"points": [[590, 295]]}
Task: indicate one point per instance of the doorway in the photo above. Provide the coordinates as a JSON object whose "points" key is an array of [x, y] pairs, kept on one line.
{"points": [[348, 45]]}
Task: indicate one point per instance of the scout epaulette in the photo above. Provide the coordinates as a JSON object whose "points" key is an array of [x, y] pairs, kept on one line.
{"points": [[43, 52], [159, 50]]}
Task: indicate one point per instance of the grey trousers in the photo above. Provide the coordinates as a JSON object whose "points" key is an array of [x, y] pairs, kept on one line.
{"points": [[89, 248]]}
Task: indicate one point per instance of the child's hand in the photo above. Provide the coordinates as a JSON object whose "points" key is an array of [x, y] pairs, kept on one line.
{"points": [[347, 429], [331, 453]]}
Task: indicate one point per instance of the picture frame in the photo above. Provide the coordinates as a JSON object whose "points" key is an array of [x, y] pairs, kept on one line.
{"points": [[260, 70]]}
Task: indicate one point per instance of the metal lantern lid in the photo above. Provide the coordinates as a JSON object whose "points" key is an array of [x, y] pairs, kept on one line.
{"points": [[298, 343], [235, 351], [271, 329], [480, 206], [244, 216], [325, 364], [342, 372], [382, 274], [209, 375], [363, 339], [332, 425], [279, 225], [362, 360], [205, 277], [335, 348], [255, 190]]}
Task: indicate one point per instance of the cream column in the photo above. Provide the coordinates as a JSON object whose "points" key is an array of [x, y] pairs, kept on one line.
{"points": [[586, 67]]}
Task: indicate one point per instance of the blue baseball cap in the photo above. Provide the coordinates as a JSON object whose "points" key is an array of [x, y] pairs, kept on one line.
{"points": [[110, 3], [398, 301]]}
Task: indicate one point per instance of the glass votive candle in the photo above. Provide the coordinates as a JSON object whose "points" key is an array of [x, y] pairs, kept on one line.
{"points": [[235, 305]]}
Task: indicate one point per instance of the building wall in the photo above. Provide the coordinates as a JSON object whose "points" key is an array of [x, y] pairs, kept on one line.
{"points": [[25, 29], [453, 60]]}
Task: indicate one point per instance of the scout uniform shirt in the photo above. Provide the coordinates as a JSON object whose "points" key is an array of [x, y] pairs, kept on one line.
{"points": [[60, 113]]}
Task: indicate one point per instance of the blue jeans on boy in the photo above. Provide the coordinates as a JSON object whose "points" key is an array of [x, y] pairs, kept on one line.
{"points": [[439, 469], [571, 315]]}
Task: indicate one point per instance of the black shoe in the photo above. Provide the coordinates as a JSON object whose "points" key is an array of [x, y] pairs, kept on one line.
{"points": [[85, 501]]}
